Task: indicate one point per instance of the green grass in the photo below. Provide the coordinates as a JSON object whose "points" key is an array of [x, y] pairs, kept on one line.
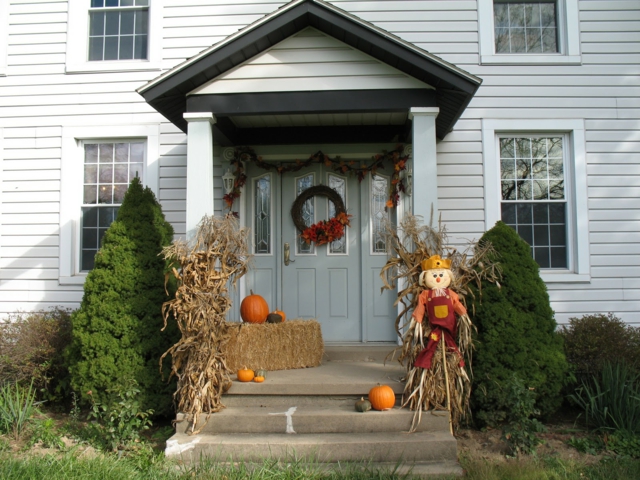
{"points": [[68, 466]]}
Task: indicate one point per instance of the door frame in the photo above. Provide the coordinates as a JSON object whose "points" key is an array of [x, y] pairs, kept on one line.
{"points": [[280, 153]]}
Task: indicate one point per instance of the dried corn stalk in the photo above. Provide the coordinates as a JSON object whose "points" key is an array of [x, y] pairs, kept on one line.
{"points": [[211, 263], [410, 244]]}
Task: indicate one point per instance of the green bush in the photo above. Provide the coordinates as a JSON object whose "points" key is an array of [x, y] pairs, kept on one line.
{"points": [[592, 340], [516, 333], [31, 350], [117, 330]]}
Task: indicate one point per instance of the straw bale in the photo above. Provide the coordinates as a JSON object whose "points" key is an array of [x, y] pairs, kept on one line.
{"points": [[274, 346]]}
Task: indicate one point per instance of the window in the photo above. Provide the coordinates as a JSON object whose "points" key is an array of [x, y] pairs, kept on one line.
{"points": [[108, 170], [262, 214], [533, 197], [114, 35], [118, 29], [529, 32], [529, 27], [379, 213], [535, 182], [98, 164]]}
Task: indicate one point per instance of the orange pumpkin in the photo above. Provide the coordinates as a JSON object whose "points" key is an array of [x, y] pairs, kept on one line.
{"points": [[382, 397], [281, 313], [254, 309], [258, 379], [245, 375]]}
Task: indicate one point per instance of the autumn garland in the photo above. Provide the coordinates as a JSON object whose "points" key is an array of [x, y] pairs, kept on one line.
{"points": [[396, 157], [326, 231]]}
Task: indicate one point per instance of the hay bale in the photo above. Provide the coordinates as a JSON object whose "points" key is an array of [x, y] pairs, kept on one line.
{"points": [[274, 346]]}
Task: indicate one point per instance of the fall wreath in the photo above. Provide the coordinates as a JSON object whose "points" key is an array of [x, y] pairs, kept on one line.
{"points": [[324, 231]]}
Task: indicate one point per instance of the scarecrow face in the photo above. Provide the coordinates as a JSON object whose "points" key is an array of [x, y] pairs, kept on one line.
{"points": [[437, 278]]}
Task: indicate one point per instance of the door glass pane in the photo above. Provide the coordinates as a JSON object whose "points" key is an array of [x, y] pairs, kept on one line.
{"points": [[262, 220], [379, 214], [339, 184], [308, 213]]}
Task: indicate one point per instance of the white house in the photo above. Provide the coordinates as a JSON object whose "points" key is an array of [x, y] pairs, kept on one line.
{"points": [[525, 111]]}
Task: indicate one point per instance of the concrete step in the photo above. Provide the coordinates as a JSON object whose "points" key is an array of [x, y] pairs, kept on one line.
{"points": [[360, 353], [312, 419], [286, 401], [317, 448]]}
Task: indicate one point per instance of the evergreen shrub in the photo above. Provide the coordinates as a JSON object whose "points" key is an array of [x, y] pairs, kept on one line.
{"points": [[116, 332], [516, 333], [592, 340]]}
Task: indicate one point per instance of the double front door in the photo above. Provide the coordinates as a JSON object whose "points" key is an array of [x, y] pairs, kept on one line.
{"points": [[336, 283]]}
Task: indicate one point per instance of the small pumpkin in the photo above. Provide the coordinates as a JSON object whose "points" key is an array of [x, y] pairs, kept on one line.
{"points": [[245, 375], [281, 313], [382, 397], [363, 405], [261, 373], [274, 318], [258, 379], [254, 309]]}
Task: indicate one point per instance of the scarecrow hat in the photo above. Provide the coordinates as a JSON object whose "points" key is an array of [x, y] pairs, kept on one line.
{"points": [[434, 262]]}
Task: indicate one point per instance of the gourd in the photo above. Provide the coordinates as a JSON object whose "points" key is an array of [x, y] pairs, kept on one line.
{"points": [[261, 373], [254, 309], [258, 379], [274, 318], [245, 375], [382, 397], [281, 313], [363, 405]]}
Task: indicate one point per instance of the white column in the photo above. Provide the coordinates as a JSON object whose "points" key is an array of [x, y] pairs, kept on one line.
{"points": [[425, 166], [199, 168]]}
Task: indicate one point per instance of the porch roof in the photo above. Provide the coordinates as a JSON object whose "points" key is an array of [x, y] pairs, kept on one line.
{"points": [[452, 90]]}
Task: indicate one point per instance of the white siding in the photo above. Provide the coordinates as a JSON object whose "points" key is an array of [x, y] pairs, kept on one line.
{"points": [[37, 99]]}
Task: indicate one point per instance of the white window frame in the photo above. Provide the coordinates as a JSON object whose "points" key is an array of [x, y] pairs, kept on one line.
{"points": [[4, 36], [72, 182], [78, 42], [575, 186], [568, 38]]}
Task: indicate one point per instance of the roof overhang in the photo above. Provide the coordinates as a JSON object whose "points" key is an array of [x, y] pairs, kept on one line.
{"points": [[452, 89]]}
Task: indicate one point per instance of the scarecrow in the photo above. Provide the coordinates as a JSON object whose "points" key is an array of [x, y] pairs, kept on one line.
{"points": [[440, 304]]}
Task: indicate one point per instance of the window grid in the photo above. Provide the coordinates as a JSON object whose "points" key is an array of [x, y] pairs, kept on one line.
{"points": [[525, 27], [108, 171], [533, 197], [118, 30]]}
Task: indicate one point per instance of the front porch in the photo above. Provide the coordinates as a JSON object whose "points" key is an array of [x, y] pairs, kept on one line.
{"points": [[308, 415]]}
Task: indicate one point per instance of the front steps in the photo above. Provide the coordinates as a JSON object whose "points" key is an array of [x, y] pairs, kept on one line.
{"points": [[308, 415]]}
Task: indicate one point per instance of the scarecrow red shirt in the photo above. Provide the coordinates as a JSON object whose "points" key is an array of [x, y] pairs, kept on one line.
{"points": [[440, 304]]}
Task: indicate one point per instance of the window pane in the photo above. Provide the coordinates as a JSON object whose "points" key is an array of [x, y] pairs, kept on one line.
{"points": [[557, 235], [106, 174], [106, 152], [518, 40], [96, 45], [126, 3], [142, 2], [516, 15], [135, 170], [501, 15], [140, 47], [509, 213], [541, 255], [118, 193], [379, 212], [262, 220], [503, 45], [308, 213], [526, 232], [90, 238], [141, 22], [126, 23], [122, 152], [137, 152], [111, 48], [96, 23], [541, 213], [507, 148], [106, 216], [523, 212], [541, 235], [556, 213], [97, 3], [532, 15], [91, 173], [559, 257], [525, 190], [105, 194], [507, 169], [508, 190], [111, 3], [90, 195], [121, 174], [126, 48], [339, 184], [550, 40], [90, 217], [112, 23]]}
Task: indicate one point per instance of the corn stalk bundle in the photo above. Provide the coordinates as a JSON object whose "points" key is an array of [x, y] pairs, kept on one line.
{"points": [[208, 266], [411, 243]]}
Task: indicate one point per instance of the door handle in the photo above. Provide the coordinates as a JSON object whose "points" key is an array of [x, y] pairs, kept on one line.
{"points": [[287, 254]]}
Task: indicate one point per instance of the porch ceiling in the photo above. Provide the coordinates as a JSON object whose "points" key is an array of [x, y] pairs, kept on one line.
{"points": [[318, 116]]}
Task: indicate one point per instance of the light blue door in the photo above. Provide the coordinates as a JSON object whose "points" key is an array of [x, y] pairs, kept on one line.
{"points": [[338, 284]]}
